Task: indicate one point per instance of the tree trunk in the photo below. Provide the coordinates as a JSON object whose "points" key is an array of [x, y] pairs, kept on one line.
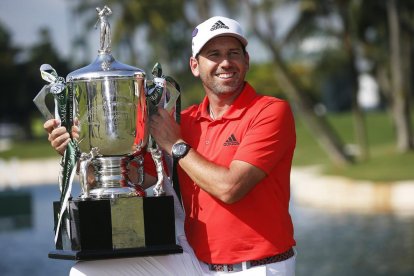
{"points": [[319, 127], [407, 69], [400, 104], [358, 115]]}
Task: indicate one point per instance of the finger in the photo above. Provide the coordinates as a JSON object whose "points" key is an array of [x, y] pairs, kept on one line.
{"points": [[154, 115], [57, 137], [167, 117], [163, 118], [62, 147], [57, 132], [49, 125], [163, 113], [75, 132], [59, 141], [152, 128], [154, 120]]}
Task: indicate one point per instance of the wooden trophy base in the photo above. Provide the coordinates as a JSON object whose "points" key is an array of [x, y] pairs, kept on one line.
{"points": [[116, 228]]}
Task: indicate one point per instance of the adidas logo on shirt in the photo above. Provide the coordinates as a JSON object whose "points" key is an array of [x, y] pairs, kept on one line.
{"points": [[218, 25], [231, 141]]}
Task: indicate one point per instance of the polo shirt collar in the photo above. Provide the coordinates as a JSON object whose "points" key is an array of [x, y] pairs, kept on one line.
{"points": [[236, 109]]}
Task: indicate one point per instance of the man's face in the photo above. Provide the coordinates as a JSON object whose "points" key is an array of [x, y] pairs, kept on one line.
{"points": [[221, 65]]}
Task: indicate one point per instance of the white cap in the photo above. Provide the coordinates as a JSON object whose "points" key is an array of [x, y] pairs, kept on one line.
{"points": [[213, 27]]}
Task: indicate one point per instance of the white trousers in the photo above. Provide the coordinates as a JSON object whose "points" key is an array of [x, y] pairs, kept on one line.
{"points": [[185, 264]]}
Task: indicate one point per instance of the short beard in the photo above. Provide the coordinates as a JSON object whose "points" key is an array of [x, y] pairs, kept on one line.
{"points": [[219, 89], [223, 89]]}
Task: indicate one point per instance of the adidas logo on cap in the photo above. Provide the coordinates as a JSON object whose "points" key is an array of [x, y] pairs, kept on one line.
{"points": [[218, 25]]}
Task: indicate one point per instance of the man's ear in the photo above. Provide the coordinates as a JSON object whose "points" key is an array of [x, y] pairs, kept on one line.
{"points": [[194, 66]]}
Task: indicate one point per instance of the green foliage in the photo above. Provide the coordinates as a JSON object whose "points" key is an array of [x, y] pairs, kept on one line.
{"points": [[21, 80], [37, 128], [9, 73], [163, 29], [39, 148], [384, 164], [261, 77]]}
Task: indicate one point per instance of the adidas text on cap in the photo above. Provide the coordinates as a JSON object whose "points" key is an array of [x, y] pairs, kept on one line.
{"points": [[216, 26]]}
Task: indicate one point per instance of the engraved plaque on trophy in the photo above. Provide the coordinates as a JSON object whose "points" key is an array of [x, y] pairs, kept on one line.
{"points": [[112, 217]]}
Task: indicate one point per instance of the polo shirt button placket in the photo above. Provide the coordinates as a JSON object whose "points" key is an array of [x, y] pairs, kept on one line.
{"points": [[207, 142]]}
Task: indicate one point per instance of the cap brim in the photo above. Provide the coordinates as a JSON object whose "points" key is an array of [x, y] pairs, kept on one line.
{"points": [[242, 40]]}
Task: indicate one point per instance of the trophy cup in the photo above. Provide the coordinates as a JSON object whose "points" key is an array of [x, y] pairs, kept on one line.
{"points": [[107, 102]]}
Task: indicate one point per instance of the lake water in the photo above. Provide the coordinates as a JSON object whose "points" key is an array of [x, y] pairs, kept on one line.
{"points": [[329, 243]]}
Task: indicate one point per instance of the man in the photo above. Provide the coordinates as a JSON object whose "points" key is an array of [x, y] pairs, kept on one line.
{"points": [[234, 152], [235, 169]]}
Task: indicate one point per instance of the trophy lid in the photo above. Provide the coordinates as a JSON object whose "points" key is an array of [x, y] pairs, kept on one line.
{"points": [[105, 65]]}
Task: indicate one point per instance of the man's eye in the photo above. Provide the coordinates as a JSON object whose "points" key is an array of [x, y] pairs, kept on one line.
{"points": [[214, 54]]}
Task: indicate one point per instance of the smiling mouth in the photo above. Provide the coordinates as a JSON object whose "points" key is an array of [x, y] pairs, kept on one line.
{"points": [[225, 75]]}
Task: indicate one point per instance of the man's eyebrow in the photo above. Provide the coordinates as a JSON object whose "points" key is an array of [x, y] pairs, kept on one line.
{"points": [[228, 50], [212, 50]]}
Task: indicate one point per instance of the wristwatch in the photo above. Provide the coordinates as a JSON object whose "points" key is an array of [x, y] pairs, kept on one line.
{"points": [[180, 149]]}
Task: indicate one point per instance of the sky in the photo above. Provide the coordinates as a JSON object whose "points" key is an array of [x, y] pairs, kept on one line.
{"points": [[24, 18]]}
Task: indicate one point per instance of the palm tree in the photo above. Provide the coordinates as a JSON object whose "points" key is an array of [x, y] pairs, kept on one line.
{"points": [[349, 12], [400, 105], [262, 14], [388, 44], [158, 26]]}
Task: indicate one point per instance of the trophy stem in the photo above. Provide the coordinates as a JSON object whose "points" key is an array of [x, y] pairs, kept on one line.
{"points": [[109, 176], [108, 171]]}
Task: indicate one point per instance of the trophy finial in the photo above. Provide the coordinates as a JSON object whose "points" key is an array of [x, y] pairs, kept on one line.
{"points": [[105, 27]]}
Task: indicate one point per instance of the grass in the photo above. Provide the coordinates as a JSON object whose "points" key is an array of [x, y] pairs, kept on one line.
{"points": [[38, 148], [385, 163]]}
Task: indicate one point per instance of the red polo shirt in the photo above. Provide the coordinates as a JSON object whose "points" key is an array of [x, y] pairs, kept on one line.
{"points": [[259, 130]]}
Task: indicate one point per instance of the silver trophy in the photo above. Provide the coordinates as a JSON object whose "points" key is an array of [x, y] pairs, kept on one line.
{"points": [[109, 102]]}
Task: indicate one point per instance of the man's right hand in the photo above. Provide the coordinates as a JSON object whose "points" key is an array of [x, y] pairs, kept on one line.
{"points": [[59, 136]]}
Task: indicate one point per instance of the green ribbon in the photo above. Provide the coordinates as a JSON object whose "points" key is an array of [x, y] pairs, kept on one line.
{"points": [[162, 91], [63, 95]]}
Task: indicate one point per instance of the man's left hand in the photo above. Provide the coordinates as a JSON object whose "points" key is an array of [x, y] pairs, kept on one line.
{"points": [[164, 129]]}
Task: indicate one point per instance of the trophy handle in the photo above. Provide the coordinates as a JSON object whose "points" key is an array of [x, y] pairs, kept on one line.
{"points": [[156, 155], [85, 161], [56, 87], [40, 102], [161, 92]]}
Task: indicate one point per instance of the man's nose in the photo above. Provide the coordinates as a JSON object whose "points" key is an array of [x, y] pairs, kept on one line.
{"points": [[225, 61]]}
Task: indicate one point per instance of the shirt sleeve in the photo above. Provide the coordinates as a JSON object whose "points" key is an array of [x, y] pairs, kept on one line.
{"points": [[270, 137]]}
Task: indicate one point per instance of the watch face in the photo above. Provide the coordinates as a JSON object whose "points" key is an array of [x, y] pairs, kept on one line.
{"points": [[180, 149]]}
